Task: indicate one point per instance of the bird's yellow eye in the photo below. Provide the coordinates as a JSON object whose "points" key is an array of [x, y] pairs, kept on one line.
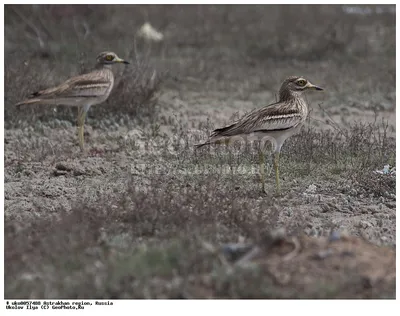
{"points": [[109, 57], [301, 82]]}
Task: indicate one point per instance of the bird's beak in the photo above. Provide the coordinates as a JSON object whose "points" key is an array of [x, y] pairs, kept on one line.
{"points": [[312, 86], [120, 60]]}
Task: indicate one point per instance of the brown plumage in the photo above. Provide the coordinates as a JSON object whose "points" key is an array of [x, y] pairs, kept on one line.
{"points": [[82, 91], [91, 88], [275, 122]]}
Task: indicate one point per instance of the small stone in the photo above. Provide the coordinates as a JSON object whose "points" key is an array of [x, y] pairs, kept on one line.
{"points": [[62, 166], [334, 236], [235, 251], [323, 254], [58, 173], [79, 172], [365, 224], [353, 192], [312, 188]]}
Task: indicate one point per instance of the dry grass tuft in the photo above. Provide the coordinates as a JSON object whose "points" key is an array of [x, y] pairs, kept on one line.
{"points": [[141, 215]]}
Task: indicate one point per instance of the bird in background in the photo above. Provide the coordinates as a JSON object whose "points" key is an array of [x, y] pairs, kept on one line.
{"points": [[275, 123], [81, 91]]}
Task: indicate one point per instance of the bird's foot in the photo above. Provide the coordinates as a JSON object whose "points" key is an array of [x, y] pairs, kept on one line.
{"points": [[264, 190]]}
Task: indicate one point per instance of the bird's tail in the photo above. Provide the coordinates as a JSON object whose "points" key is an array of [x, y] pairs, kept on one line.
{"points": [[27, 101], [197, 146], [213, 141]]}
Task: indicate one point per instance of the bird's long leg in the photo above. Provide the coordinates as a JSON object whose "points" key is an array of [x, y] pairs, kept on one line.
{"points": [[82, 110], [276, 166]]}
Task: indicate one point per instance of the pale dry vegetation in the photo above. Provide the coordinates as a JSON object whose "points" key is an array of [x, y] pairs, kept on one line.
{"points": [[134, 217]]}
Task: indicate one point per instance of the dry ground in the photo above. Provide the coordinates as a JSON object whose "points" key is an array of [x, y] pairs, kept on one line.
{"points": [[143, 215]]}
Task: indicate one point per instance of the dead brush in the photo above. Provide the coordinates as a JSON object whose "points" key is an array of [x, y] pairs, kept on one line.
{"points": [[92, 244], [136, 93], [359, 148]]}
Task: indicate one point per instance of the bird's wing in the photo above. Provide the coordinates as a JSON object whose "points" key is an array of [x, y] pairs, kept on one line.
{"points": [[276, 116], [87, 85]]}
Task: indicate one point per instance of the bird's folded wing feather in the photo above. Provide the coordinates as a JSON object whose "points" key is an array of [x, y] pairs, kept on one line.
{"points": [[270, 118], [87, 85]]}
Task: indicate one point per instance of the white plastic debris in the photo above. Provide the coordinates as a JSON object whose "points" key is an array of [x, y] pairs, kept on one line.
{"points": [[387, 170], [150, 33]]}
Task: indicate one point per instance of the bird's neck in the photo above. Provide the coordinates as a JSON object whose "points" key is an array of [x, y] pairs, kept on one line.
{"points": [[102, 66], [288, 95]]}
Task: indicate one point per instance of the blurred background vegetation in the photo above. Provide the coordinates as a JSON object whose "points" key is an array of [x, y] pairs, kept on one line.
{"points": [[348, 49]]}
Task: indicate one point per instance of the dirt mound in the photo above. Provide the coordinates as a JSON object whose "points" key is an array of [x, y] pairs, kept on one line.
{"points": [[334, 267]]}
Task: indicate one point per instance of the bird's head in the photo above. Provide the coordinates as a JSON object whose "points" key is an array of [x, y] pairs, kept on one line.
{"points": [[296, 85], [109, 58]]}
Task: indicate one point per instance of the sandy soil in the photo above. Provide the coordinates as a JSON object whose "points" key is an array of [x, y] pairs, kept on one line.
{"points": [[127, 217]]}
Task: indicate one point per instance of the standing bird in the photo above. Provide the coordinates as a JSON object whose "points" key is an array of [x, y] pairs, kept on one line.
{"points": [[275, 122], [82, 91]]}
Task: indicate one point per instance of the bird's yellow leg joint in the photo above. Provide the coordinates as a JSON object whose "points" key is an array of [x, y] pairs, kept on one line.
{"points": [[81, 124], [276, 165], [222, 141]]}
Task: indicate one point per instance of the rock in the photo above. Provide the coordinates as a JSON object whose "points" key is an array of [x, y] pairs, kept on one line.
{"points": [[312, 188]]}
